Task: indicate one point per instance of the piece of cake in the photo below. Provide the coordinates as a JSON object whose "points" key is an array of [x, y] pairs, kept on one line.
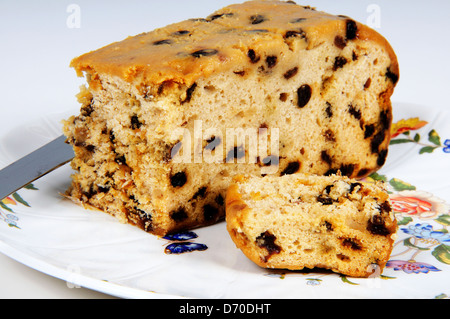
{"points": [[307, 221], [263, 87]]}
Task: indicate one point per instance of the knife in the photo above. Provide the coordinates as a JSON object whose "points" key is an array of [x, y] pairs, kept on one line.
{"points": [[34, 165]]}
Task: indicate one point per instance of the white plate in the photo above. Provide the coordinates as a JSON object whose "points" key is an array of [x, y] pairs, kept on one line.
{"points": [[93, 250]]}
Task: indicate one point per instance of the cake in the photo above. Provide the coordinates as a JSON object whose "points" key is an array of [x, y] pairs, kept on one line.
{"points": [[309, 221], [168, 117]]}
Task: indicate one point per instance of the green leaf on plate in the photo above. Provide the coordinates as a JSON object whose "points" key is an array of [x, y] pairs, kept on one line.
{"points": [[404, 221], [31, 186], [427, 149], [378, 177], [407, 243], [443, 220], [400, 185], [400, 141], [434, 138], [18, 198], [345, 279], [417, 138], [2, 205], [442, 253]]}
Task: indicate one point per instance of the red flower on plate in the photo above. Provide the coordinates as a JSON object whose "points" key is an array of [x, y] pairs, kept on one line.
{"points": [[404, 126], [410, 205], [418, 204]]}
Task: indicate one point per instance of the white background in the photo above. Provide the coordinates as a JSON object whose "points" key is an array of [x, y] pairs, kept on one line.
{"points": [[37, 44]]}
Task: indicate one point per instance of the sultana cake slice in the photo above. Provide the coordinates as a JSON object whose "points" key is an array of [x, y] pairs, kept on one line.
{"points": [[263, 87], [307, 221]]}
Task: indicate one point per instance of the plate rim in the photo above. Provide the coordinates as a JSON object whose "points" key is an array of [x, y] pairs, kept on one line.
{"points": [[106, 287], [99, 285]]}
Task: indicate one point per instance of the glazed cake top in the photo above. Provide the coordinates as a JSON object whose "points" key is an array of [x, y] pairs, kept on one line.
{"points": [[185, 51]]}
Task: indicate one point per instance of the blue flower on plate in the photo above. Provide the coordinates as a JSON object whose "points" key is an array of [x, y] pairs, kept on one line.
{"points": [[425, 231], [181, 244], [180, 248], [183, 236], [447, 146], [12, 217], [313, 281], [410, 266]]}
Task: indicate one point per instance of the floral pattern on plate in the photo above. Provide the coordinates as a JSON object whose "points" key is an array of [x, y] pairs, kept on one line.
{"points": [[404, 127], [423, 217], [7, 213], [181, 243], [49, 233]]}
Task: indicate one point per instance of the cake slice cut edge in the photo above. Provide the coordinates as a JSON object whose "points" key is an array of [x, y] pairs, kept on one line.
{"points": [[309, 221]]}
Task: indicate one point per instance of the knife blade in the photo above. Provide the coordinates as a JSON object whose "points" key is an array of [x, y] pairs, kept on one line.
{"points": [[34, 165]]}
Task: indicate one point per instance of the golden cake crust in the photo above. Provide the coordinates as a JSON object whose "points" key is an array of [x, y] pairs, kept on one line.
{"points": [[172, 53]]}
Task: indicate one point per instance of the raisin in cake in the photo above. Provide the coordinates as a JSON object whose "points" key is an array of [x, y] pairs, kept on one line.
{"points": [[168, 116], [307, 221]]}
